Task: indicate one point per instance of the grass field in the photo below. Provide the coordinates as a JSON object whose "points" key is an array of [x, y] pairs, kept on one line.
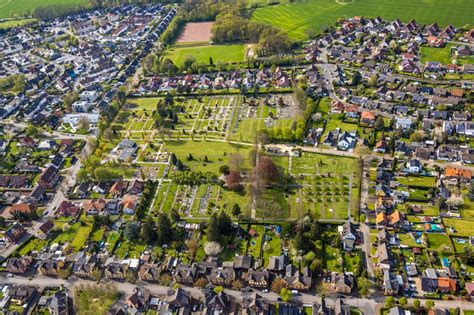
{"points": [[442, 55], [219, 53], [15, 23], [313, 15], [9, 8]]}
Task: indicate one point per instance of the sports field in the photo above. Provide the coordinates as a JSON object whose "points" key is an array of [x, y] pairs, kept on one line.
{"points": [[9, 8], [222, 53], [312, 15]]}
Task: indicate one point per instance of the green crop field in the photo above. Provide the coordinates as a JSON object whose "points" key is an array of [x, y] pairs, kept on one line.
{"points": [[299, 18], [11, 8], [222, 53]]}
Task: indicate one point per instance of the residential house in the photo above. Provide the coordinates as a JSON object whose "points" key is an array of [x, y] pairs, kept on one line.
{"points": [[67, 209], [58, 304], [222, 276], [185, 274], [258, 279], [94, 206], [15, 233], [217, 303], [367, 118], [342, 283], [115, 270], [414, 166], [21, 295], [19, 265], [383, 255], [298, 280], [45, 229], [49, 178], [278, 264], [86, 266], [129, 203], [37, 195], [149, 272], [390, 283], [349, 236], [22, 210], [139, 300], [52, 267]]}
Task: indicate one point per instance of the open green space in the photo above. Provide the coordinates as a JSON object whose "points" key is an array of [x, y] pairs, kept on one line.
{"points": [[9, 8], [219, 53], [443, 55], [302, 18], [15, 23]]}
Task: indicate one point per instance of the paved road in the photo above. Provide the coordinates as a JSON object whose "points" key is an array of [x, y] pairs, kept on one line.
{"points": [[368, 306]]}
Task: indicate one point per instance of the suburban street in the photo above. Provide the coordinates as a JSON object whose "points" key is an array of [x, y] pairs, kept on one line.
{"points": [[368, 306]]}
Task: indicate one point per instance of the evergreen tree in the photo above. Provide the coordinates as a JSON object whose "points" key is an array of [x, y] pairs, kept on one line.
{"points": [[174, 159], [147, 232], [213, 229], [164, 231]]}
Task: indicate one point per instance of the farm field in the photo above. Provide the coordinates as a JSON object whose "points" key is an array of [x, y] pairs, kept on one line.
{"points": [[202, 53], [298, 19], [9, 8]]}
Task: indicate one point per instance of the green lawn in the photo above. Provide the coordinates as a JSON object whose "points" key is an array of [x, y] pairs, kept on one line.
{"points": [[442, 55], [9, 8], [462, 227], [15, 23], [313, 15], [222, 53]]}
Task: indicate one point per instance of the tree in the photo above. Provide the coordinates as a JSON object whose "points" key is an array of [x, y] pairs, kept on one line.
{"points": [[224, 169], [192, 247], [236, 162], [147, 232], [278, 284], [234, 181], [212, 248], [164, 232], [131, 231], [266, 171], [429, 304], [189, 60], [455, 201], [300, 241], [286, 295], [356, 78], [173, 159], [470, 194], [416, 303], [417, 136], [211, 62], [200, 283], [364, 285], [31, 131], [237, 285], [403, 301], [389, 302], [174, 215], [316, 230], [379, 124], [236, 209], [213, 229], [83, 124]]}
